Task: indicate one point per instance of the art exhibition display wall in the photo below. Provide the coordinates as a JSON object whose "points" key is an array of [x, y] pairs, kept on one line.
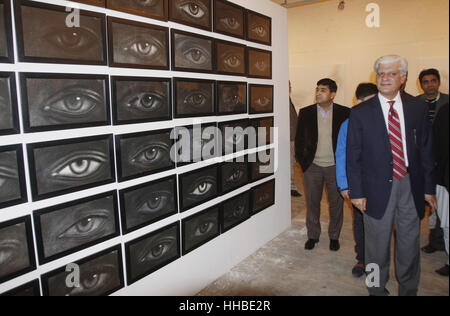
{"points": [[98, 99]]}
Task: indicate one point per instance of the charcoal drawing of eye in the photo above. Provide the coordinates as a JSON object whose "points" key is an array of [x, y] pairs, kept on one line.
{"points": [[202, 187], [144, 47], [197, 99], [204, 227], [232, 59], [155, 202], [235, 176], [82, 165], [229, 22], [71, 40], [193, 52], [262, 101], [13, 249], [261, 65], [157, 249], [259, 30], [89, 227], [145, 101], [192, 10], [94, 281], [151, 155]]}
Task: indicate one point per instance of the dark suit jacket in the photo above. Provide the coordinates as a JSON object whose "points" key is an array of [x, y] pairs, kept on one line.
{"points": [[307, 135], [443, 99], [369, 155]]}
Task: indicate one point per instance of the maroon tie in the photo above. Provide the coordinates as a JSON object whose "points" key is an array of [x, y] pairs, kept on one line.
{"points": [[395, 136]]}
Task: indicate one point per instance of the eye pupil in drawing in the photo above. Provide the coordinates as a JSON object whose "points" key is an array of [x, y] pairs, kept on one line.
{"points": [[196, 55], [151, 154], [71, 39], [157, 251], [194, 8], [80, 166], [73, 102], [147, 101], [91, 281]]}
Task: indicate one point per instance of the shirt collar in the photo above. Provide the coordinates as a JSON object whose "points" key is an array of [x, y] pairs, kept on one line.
{"points": [[323, 111], [384, 101]]}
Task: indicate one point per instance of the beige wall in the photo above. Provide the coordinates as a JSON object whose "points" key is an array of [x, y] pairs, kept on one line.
{"points": [[326, 42]]}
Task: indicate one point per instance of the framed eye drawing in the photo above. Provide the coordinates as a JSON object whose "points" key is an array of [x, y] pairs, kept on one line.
{"points": [[155, 9], [30, 289], [200, 229], [9, 120], [196, 143], [99, 3], [12, 177], [259, 63], [6, 48], [194, 97], [67, 228], [261, 99], [259, 28], [234, 174], [148, 203], [63, 101], [100, 275], [196, 13], [263, 196], [262, 165], [66, 166], [143, 154], [264, 130], [229, 19], [198, 186], [141, 100], [235, 211], [151, 252], [230, 58], [235, 136], [134, 44], [192, 52], [231, 97], [44, 37], [16, 248]]}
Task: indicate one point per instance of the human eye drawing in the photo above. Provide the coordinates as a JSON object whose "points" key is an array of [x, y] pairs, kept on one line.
{"points": [[202, 187], [235, 176], [78, 166], [71, 40], [150, 155], [197, 55], [197, 98], [192, 9], [230, 22], [204, 226], [157, 249], [94, 281], [144, 47], [262, 101], [144, 101], [232, 59], [259, 30], [88, 226], [156, 202]]}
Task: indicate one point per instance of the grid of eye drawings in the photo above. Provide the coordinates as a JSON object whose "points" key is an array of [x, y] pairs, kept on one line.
{"points": [[57, 101]]}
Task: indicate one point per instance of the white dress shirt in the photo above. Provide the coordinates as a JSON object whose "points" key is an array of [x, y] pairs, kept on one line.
{"points": [[398, 106]]}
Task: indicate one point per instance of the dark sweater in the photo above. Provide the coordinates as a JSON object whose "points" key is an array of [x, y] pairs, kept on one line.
{"points": [[441, 145]]}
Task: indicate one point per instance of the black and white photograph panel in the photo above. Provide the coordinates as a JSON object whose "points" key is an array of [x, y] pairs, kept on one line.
{"points": [[12, 178], [152, 252], [259, 63], [235, 211], [200, 229], [142, 154], [261, 99], [67, 166], [191, 52], [59, 101], [148, 203], [45, 34], [155, 9], [27, 290], [262, 164], [100, 3], [140, 100], [16, 248], [259, 28], [133, 44], [231, 97], [263, 196], [229, 19], [198, 186], [65, 229], [100, 275], [230, 58], [235, 135], [196, 13], [234, 174], [6, 50], [9, 121], [193, 97]]}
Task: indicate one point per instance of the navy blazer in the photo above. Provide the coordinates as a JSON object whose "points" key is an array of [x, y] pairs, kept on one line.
{"points": [[369, 155]]}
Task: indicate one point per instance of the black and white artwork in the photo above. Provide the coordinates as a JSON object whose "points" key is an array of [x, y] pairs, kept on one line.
{"points": [[6, 50], [151, 252], [230, 58], [261, 99], [259, 28], [66, 166], [12, 178], [148, 203], [9, 122], [259, 63], [262, 165], [134, 44], [200, 229], [27, 290], [263, 196], [155, 9], [196, 13], [235, 211], [234, 174], [235, 135], [140, 100], [198, 186], [191, 52], [229, 19], [265, 130], [142, 154], [60, 101], [67, 228], [16, 248], [231, 98], [100, 275], [196, 143], [46, 34], [100, 3], [193, 97]]}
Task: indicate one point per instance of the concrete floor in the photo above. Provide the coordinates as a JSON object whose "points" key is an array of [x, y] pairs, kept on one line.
{"points": [[283, 268]]}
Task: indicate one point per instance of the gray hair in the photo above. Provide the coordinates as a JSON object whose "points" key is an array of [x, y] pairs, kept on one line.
{"points": [[392, 59]]}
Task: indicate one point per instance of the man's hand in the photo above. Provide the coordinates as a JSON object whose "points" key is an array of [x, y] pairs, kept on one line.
{"points": [[360, 204], [345, 194], [431, 199]]}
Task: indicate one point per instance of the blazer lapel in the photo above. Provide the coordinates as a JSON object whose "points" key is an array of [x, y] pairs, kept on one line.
{"points": [[379, 120], [408, 122]]}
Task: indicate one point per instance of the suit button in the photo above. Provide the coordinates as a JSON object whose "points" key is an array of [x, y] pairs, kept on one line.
{"points": [[390, 181]]}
